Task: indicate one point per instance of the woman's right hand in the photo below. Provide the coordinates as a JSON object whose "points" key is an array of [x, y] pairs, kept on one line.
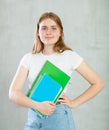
{"points": [[16, 95], [46, 108]]}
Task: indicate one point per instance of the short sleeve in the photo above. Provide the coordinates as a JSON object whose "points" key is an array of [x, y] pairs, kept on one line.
{"points": [[25, 61], [74, 59], [77, 60]]}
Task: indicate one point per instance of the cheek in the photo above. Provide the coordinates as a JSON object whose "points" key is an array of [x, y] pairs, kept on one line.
{"points": [[40, 34], [58, 35]]}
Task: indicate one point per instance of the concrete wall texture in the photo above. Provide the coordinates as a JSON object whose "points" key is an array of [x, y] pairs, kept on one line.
{"points": [[86, 27]]}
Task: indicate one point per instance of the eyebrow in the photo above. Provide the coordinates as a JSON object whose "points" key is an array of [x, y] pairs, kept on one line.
{"points": [[50, 26]]}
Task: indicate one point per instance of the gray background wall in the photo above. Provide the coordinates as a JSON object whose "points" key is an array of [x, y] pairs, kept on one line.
{"points": [[86, 26]]}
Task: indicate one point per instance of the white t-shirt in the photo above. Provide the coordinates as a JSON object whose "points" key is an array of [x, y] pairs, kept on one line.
{"points": [[67, 61]]}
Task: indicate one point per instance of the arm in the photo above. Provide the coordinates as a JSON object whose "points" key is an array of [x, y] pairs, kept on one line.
{"points": [[96, 85], [16, 95]]}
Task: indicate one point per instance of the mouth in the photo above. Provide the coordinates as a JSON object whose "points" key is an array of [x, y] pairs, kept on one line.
{"points": [[48, 37]]}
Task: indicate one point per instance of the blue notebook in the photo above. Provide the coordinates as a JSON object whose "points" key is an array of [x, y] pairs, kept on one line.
{"points": [[47, 89]]}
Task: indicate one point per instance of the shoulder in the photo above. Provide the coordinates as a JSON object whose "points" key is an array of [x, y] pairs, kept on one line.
{"points": [[27, 55], [70, 53], [26, 59], [73, 57]]}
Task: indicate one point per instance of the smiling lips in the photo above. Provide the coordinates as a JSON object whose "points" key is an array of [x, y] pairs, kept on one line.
{"points": [[48, 38]]}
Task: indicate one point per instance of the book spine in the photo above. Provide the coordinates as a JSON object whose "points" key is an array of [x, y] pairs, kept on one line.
{"points": [[34, 85]]}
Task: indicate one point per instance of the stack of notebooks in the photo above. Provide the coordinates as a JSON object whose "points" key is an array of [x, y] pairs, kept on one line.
{"points": [[49, 84]]}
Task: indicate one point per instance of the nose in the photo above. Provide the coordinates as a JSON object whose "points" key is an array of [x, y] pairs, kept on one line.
{"points": [[48, 31]]}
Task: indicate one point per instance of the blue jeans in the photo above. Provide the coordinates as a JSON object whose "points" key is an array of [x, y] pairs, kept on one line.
{"points": [[61, 119]]}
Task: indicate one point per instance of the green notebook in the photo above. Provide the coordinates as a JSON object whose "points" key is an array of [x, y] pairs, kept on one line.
{"points": [[54, 72]]}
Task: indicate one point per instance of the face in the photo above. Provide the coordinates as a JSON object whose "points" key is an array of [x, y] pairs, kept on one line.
{"points": [[49, 32]]}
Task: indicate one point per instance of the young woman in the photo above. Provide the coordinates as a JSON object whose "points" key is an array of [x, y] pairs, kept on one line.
{"points": [[49, 45]]}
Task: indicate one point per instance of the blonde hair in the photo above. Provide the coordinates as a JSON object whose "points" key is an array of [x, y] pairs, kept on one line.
{"points": [[59, 45]]}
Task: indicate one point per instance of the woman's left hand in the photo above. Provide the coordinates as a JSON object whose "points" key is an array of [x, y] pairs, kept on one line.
{"points": [[64, 99]]}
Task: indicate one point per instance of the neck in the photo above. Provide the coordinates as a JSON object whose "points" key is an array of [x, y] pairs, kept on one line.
{"points": [[48, 51]]}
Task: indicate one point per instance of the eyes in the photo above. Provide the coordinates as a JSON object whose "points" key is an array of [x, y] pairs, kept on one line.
{"points": [[45, 28]]}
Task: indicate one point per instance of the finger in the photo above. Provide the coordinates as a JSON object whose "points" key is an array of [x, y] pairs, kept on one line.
{"points": [[63, 94], [51, 103], [62, 98], [62, 101]]}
